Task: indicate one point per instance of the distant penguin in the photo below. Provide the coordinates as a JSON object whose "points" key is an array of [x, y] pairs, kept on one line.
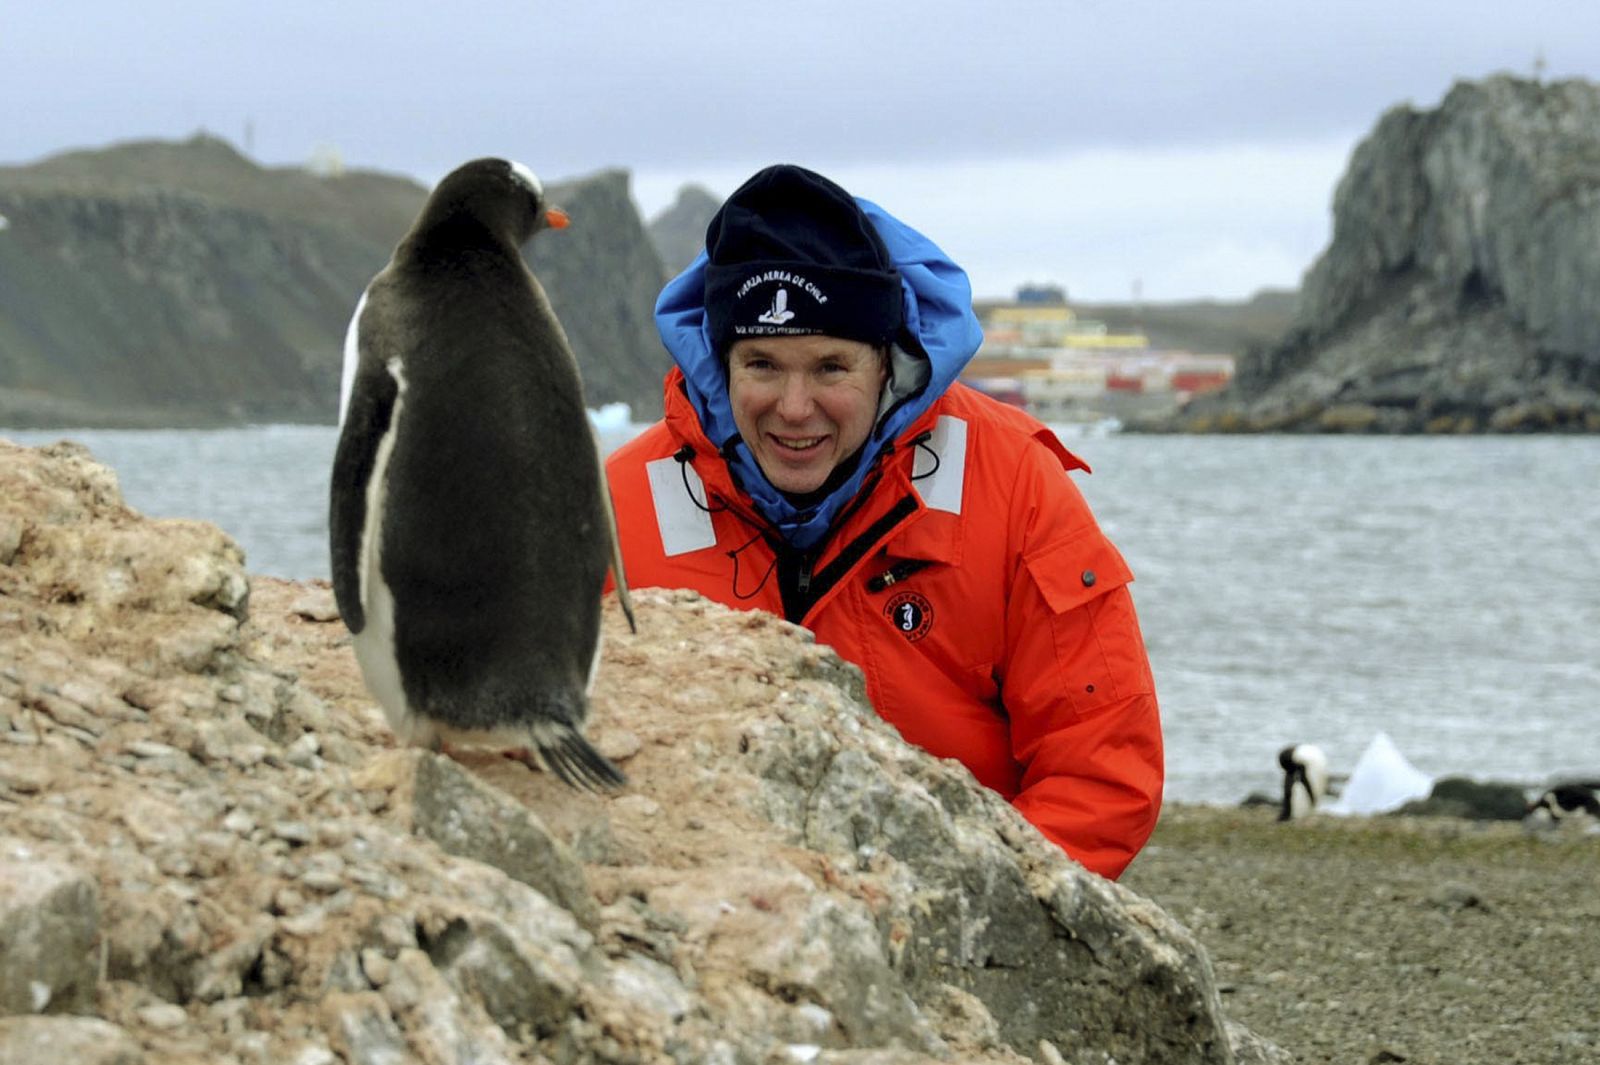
{"points": [[1305, 780], [470, 523], [1565, 804]]}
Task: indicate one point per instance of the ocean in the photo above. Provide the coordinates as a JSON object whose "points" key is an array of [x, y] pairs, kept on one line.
{"points": [[1445, 591]]}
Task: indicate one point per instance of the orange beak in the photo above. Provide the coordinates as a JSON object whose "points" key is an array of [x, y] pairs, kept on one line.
{"points": [[556, 218]]}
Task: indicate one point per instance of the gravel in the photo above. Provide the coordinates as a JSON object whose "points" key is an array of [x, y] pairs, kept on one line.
{"points": [[1434, 941]]}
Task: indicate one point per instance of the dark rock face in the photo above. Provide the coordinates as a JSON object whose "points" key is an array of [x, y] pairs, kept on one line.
{"points": [[175, 284], [679, 232], [602, 276], [1456, 295]]}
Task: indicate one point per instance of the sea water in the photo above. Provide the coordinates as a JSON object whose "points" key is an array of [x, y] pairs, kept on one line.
{"points": [[1293, 589]]}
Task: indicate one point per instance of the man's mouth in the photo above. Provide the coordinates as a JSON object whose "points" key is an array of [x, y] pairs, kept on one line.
{"points": [[798, 443]]}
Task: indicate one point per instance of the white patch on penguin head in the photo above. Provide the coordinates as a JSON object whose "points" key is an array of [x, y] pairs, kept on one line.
{"points": [[527, 177]]}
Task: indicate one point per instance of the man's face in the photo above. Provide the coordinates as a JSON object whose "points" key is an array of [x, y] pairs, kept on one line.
{"points": [[803, 404]]}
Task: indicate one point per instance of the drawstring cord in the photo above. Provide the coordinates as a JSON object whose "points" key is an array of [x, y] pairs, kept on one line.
{"points": [[683, 455], [734, 554], [921, 441]]}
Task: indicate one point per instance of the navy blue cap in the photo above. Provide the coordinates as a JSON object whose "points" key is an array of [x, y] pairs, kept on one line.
{"points": [[792, 254]]}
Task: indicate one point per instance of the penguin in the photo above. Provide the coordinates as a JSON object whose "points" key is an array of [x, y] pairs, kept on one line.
{"points": [[1569, 802], [470, 525], [1305, 780]]}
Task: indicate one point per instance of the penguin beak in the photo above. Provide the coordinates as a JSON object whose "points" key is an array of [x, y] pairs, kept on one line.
{"points": [[556, 218]]}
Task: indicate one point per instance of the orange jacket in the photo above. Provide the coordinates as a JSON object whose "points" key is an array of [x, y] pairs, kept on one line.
{"points": [[1010, 642]]}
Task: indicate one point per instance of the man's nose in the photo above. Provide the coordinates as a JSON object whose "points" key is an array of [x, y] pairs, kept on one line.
{"points": [[795, 401]]}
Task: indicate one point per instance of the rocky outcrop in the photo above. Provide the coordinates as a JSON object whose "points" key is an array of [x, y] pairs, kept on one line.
{"points": [[603, 276], [679, 231], [163, 284], [1456, 293], [210, 850]]}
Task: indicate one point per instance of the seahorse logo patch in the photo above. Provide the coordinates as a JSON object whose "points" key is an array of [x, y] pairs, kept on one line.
{"points": [[911, 614]]}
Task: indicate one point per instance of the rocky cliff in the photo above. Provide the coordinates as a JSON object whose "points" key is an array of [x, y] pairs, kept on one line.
{"points": [[161, 283], [679, 231], [1457, 292], [210, 851]]}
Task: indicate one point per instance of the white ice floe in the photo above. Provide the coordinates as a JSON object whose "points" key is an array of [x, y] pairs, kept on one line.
{"points": [[611, 417], [1382, 781]]}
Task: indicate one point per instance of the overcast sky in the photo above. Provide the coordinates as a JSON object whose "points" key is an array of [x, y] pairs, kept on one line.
{"points": [[1191, 149]]}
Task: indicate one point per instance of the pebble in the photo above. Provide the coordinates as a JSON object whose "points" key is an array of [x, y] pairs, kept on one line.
{"points": [[642, 805], [304, 924], [1454, 895], [377, 966], [151, 749], [303, 752], [297, 833], [619, 745], [25, 779], [316, 605], [164, 1016], [239, 823], [322, 881], [248, 755]]}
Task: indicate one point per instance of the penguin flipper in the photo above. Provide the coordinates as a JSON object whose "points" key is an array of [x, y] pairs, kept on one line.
{"points": [[367, 419], [563, 751], [617, 573]]}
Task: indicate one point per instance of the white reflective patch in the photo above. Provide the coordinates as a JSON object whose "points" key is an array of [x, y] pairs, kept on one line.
{"points": [[528, 178], [352, 358], [685, 526], [939, 477]]}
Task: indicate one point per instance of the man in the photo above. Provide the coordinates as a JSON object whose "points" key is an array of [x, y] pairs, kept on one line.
{"points": [[819, 460]]}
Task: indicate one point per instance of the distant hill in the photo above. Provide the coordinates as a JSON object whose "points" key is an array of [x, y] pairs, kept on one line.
{"points": [[163, 283], [679, 231], [1458, 292]]}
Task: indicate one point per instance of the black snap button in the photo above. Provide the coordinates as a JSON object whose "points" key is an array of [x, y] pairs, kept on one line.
{"points": [[1088, 578]]}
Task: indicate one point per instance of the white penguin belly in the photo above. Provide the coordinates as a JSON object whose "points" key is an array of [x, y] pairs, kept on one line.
{"points": [[374, 644]]}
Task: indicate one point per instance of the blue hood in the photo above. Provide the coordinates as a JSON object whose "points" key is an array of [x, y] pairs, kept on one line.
{"points": [[938, 306]]}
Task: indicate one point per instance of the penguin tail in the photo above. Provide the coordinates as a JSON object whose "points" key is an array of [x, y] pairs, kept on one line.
{"points": [[563, 751]]}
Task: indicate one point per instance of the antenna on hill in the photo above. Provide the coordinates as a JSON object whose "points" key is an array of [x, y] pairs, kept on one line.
{"points": [[1538, 66]]}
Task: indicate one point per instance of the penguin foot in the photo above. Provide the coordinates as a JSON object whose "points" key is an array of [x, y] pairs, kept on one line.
{"points": [[574, 761]]}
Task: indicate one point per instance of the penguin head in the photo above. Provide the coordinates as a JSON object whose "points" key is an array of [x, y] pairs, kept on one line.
{"points": [[502, 195]]}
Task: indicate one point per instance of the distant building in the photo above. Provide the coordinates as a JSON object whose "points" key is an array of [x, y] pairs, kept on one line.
{"points": [[1042, 294], [1038, 354], [326, 161]]}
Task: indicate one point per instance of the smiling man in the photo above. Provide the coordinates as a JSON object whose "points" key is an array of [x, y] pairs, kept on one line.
{"points": [[818, 460]]}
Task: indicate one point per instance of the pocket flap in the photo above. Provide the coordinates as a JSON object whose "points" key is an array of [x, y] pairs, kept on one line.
{"points": [[1074, 571]]}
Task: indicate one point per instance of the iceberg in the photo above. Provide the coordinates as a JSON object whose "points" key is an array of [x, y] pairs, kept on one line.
{"points": [[1382, 781]]}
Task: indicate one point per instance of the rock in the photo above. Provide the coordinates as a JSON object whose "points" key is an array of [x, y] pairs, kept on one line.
{"points": [[1251, 1049], [470, 819], [199, 841], [1471, 799], [53, 1040], [1454, 895], [49, 925], [679, 231], [230, 285], [316, 605], [1455, 293]]}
